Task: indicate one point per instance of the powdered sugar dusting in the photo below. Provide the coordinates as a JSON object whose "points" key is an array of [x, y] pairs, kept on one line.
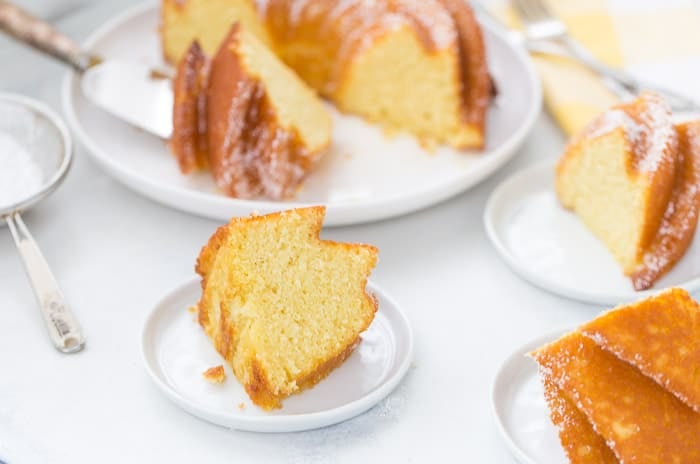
{"points": [[20, 176], [648, 128]]}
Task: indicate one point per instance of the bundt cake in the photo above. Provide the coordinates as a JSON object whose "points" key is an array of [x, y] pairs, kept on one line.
{"points": [[623, 387], [412, 65], [247, 116], [283, 307], [634, 179]]}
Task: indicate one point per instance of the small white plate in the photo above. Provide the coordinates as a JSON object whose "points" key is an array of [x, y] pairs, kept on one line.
{"points": [[551, 248], [521, 411], [366, 176], [176, 352]]}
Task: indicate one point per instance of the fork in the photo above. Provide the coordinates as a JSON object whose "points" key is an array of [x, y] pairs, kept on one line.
{"points": [[541, 26]]}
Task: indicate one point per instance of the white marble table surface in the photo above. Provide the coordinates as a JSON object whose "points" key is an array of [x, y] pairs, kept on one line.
{"points": [[115, 253]]}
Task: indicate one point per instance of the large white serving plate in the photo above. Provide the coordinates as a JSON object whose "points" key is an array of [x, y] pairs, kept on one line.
{"points": [[366, 176], [552, 248], [176, 352]]}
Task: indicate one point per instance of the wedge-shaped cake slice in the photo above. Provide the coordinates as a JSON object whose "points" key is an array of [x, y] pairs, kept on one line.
{"points": [[580, 441], [633, 178], [640, 421], [248, 117], [283, 307], [660, 336]]}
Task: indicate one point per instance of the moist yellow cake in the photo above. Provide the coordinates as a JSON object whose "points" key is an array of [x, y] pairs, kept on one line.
{"points": [[413, 65], [282, 306], [260, 128], [633, 178]]}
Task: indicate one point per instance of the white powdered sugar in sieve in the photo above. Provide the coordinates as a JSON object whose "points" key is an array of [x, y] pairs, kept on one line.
{"points": [[20, 176]]}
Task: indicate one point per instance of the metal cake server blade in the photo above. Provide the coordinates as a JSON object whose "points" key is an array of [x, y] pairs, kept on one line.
{"points": [[133, 92]]}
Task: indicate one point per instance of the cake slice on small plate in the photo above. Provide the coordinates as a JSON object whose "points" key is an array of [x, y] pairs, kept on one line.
{"points": [[633, 177], [282, 306]]}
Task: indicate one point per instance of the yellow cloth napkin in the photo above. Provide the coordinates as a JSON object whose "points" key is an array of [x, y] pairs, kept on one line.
{"points": [[655, 40]]}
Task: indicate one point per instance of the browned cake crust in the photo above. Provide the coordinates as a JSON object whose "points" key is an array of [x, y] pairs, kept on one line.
{"points": [[188, 142], [475, 79], [251, 155], [223, 118], [677, 225], [640, 421], [660, 336], [580, 441]]}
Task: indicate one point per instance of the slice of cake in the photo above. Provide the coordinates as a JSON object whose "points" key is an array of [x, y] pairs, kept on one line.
{"points": [[283, 307], [660, 336], [639, 420], [265, 129], [634, 180]]}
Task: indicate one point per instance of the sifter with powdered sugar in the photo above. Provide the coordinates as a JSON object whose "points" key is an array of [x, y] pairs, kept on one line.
{"points": [[35, 155]]}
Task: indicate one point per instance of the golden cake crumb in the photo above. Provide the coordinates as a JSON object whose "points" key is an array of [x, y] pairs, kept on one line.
{"points": [[215, 374]]}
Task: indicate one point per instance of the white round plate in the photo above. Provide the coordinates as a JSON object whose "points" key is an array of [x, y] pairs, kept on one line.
{"points": [[550, 247], [366, 176], [521, 411], [176, 352]]}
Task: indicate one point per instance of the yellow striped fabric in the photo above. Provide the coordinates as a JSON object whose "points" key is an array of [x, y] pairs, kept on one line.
{"points": [[657, 40]]}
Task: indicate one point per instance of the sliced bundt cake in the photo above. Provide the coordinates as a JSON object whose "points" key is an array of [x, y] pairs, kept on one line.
{"points": [[283, 307], [417, 66], [634, 180]]}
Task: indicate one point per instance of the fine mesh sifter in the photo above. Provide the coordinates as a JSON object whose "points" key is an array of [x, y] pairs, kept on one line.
{"points": [[35, 155]]}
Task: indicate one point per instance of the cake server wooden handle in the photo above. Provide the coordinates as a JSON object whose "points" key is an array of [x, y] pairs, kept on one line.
{"points": [[33, 31], [63, 327]]}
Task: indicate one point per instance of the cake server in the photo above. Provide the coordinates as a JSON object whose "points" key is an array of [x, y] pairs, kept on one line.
{"points": [[134, 92]]}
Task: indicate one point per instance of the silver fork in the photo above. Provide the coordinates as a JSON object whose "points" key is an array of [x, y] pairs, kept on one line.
{"points": [[540, 25]]}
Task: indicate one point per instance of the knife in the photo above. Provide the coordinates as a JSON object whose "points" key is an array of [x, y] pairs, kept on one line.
{"points": [[134, 92]]}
